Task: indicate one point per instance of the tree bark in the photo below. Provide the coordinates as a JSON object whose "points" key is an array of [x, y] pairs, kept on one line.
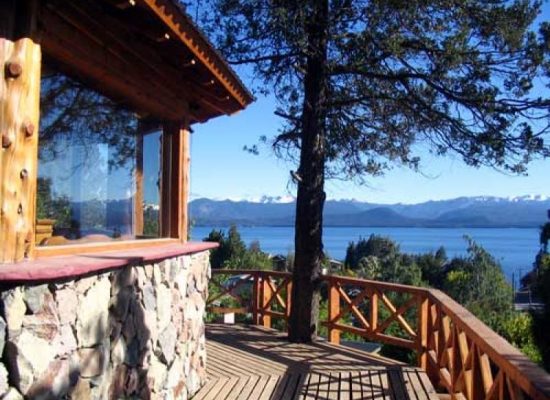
{"points": [[303, 322]]}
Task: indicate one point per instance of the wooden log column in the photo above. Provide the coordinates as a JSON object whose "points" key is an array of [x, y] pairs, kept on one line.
{"points": [[19, 119], [175, 180]]}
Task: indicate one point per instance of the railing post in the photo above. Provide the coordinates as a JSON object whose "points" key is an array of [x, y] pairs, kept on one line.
{"points": [[422, 335], [255, 299], [333, 311], [265, 297], [288, 301], [373, 310]]}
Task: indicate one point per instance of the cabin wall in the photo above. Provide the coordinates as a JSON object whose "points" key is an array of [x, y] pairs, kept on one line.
{"points": [[135, 332]]}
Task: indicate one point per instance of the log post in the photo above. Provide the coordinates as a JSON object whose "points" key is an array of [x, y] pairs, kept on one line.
{"points": [[175, 180], [19, 119], [138, 198], [333, 311], [185, 168]]}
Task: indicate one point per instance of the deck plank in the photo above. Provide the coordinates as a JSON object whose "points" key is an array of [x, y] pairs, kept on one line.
{"points": [[248, 362]]}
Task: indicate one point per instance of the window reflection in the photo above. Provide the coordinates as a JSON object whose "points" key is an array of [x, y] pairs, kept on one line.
{"points": [[98, 173]]}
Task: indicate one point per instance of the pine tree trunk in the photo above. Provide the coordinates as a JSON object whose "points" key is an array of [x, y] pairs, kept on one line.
{"points": [[311, 196]]}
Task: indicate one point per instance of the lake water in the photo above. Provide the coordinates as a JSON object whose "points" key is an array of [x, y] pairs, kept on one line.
{"points": [[515, 248]]}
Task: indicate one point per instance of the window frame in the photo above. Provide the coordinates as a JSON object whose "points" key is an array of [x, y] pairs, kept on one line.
{"points": [[174, 191]]}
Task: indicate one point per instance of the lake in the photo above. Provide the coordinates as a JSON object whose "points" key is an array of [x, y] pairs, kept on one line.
{"points": [[515, 248]]}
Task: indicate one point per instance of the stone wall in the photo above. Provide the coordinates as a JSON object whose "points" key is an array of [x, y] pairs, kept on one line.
{"points": [[135, 332]]}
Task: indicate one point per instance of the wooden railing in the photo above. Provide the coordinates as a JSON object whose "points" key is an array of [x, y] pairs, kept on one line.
{"points": [[269, 293], [460, 354]]}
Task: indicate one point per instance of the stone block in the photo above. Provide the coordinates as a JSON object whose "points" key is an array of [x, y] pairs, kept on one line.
{"points": [[56, 382], [164, 306], [149, 298], [167, 343], [45, 326], [120, 302], [83, 284], [81, 390], [34, 297], [3, 331], [14, 309], [4, 385], [66, 301], [118, 382], [118, 352], [12, 394], [29, 358], [157, 273], [65, 341], [93, 314], [156, 375], [175, 374], [91, 361]]}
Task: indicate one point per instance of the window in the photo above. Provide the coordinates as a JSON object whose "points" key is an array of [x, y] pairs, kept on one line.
{"points": [[99, 167]]}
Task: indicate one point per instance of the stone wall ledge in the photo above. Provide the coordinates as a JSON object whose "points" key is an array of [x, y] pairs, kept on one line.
{"points": [[73, 266]]}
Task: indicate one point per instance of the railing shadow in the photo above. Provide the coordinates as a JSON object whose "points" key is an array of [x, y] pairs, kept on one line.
{"points": [[321, 370]]}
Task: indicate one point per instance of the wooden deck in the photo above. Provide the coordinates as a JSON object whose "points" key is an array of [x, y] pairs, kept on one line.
{"points": [[249, 362]]}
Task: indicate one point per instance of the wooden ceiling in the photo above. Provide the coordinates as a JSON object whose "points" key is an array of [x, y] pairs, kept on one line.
{"points": [[144, 53]]}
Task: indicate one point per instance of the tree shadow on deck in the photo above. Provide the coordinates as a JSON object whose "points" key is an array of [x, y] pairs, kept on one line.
{"points": [[287, 370]]}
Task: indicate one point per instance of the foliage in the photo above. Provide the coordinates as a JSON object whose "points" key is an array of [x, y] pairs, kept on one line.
{"points": [[432, 266], [477, 282], [457, 75], [541, 321], [518, 331], [50, 206], [151, 221], [545, 237], [379, 258], [68, 107], [232, 252], [375, 246]]}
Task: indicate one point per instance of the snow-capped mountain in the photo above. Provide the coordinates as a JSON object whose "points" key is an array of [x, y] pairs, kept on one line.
{"points": [[480, 211]]}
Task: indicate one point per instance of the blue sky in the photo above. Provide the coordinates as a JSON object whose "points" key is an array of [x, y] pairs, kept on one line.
{"points": [[221, 169]]}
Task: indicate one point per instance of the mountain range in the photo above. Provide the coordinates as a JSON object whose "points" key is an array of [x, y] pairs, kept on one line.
{"points": [[480, 212]]}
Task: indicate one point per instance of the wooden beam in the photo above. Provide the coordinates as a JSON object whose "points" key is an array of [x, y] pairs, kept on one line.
{"points": [[181, 27], [185, 168], [123, 40], [19, 19], [7, 18], [175, 180], [113, 75], [20, 65]]}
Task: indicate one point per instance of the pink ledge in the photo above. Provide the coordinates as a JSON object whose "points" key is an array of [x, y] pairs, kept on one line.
{"points": [[63, 267]]}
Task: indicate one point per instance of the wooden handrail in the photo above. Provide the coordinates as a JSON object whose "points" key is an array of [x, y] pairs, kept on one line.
{"points": [[460, 354], [270, 289]]}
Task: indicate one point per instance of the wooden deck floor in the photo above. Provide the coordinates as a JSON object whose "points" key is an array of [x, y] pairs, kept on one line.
{"points": [[246, 362]]}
